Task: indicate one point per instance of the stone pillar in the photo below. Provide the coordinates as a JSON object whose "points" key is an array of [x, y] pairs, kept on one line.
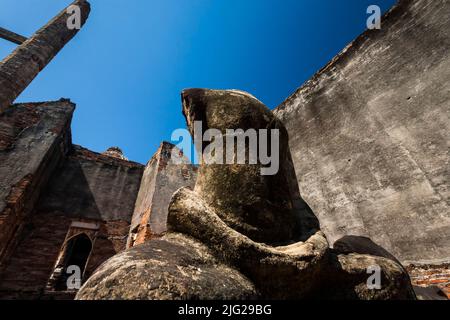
{"points": [[24, 64], [11, 36], [161, 178]]}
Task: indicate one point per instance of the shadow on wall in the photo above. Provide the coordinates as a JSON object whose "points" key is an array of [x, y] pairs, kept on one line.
{"points": [[69, 191]]}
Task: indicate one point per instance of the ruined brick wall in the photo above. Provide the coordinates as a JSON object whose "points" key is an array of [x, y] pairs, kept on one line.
{"points": [[139, 229], [86, 187], [47, 194], [162, 177], [32, 262], [112, 239], [34, 138], [431, 275], [369, 135], [41, 242]]}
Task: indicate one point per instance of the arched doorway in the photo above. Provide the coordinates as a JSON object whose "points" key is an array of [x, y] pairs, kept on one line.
{"points": [[76, 253]]}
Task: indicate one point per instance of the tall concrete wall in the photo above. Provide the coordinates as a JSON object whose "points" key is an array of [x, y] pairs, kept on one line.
{"points": [[369, 135]]}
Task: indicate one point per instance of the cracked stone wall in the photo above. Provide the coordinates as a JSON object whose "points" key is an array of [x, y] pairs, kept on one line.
{"points": [[369, 135], [161, 178]]}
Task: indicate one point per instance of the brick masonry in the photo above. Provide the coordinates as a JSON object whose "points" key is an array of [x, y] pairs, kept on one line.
{"points": [[48, 184], [24, 64], [431, 275], [161, 178], [33, 261]]}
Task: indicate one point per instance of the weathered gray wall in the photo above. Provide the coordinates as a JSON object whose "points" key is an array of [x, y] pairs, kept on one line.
{"points": [[92, 185], [369, 135]]}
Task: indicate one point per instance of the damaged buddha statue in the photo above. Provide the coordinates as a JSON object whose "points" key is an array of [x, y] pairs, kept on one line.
{"points": [[241, 234]]}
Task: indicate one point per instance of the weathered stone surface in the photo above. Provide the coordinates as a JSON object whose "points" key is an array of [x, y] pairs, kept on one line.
{"points": [[301, 270], [115, 152], [241, 235], [162, 177], [33, 140], [27, 274], [286, 272], [24, 64], [347, 278], [92, 185], [174, 267], [362, 245], [369, 135], [294, 270], [262, 207]]}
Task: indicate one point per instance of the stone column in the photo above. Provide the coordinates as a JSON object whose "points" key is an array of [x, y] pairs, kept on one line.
{"points": [[11, 36], [24, 64]]}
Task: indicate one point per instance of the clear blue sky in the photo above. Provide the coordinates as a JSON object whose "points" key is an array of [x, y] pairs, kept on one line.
{"points": [[127, 66]]}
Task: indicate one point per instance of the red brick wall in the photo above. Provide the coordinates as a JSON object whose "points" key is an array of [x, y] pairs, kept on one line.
{"points": [[34, 137], [111, 239], [40, 245], [32, 262], [430, 275]]}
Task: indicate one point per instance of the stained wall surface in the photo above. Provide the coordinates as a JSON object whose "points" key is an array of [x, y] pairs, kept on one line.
{"points": [[369, 135]]}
